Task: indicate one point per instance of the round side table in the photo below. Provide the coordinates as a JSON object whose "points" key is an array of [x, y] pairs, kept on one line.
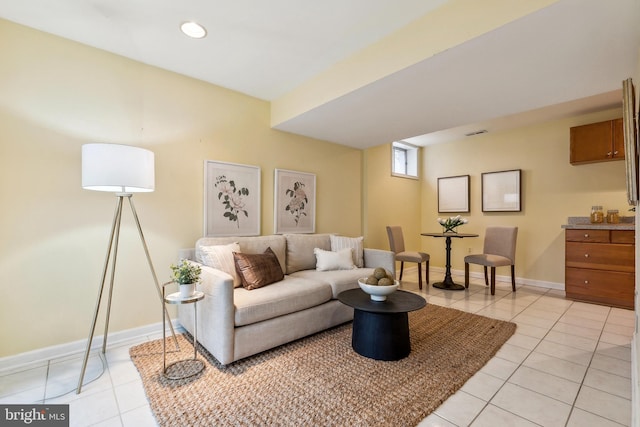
{"points": [[188, 367]]}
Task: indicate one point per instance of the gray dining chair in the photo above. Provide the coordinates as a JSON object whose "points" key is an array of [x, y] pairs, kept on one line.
{"points": [[396, 243], [499, 251]]}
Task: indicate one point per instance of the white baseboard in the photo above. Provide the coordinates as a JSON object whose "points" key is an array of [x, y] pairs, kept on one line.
{"points": [[480, 275], [41, 356], [519, 280]]}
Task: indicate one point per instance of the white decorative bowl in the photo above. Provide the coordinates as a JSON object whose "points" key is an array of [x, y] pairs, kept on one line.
{"points": [[378, 293]]}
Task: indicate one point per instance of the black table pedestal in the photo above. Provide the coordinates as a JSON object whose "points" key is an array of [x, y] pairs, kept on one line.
{"points": [[381, 336], [448, 282], [449, 285]]}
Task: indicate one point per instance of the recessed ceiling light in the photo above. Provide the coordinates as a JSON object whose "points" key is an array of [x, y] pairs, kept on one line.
{"points": [[193, 30]]}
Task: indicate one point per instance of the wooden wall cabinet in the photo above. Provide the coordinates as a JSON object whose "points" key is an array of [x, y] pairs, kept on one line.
{"points": [[597, 142], [600, 266]]}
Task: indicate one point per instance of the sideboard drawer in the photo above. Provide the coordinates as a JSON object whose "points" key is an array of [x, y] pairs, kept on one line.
{"points": [[623, 236], [601, 256], [593, 236], [609, 287]]}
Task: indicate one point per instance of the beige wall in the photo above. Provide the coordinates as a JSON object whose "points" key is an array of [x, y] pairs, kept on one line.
{"points": [[56, 95], [389, 200], [552, 190]]}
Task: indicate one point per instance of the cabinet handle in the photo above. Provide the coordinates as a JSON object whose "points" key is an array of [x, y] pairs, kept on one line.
{"points": [[609, 154], [586, 255], [615, 153], [586, 234], [586, 282]]}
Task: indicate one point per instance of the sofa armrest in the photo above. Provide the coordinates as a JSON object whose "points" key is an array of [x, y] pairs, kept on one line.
{"points": [[380, 258], [187, 253], [216, 313], [215, 284]]}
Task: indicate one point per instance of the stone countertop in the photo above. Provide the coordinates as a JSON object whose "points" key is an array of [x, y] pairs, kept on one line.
{"points": [[583, 223]]}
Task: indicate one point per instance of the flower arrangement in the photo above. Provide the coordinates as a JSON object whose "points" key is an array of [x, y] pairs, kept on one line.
{"points": [[185, 273], [450, 224]]}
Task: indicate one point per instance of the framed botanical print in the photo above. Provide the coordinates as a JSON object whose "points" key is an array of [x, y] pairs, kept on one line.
{"points": [[295, 202], [231, 199]]}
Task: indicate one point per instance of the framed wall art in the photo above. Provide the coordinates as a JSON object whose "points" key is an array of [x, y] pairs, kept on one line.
{"points": [[295, 202], [630, 140], [453, 194], [231, 199], [501, 191]]}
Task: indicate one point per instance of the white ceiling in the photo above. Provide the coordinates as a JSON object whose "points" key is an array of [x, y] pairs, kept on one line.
{"points": [[568, 58]]}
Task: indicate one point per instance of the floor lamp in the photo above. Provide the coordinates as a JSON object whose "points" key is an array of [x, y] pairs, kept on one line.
{"points": [[124, 170]]}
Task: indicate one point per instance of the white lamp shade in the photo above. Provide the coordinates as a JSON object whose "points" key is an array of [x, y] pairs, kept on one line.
{"points": [[117, 168]]}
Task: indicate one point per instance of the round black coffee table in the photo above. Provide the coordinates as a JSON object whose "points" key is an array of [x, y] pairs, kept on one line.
{"points": [[381, 328]]}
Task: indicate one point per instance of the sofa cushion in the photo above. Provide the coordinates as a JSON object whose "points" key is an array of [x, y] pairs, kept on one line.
{"points": [[330, 260], [339, 280], [248, 245], [258, 270], [355, 243], [300, 248], [286, 296], [221, 257]]}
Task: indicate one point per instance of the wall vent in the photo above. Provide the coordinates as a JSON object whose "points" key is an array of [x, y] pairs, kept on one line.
{"points": [[478, 132]]}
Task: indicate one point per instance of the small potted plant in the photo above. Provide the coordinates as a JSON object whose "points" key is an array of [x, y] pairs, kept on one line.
{"points": [[186, 274]]}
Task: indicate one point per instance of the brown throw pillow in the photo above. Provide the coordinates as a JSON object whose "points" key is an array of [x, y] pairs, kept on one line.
{"points": [[258, 270]]}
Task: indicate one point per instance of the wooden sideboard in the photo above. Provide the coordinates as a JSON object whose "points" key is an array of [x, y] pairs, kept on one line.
{"points": [[600, 266]]}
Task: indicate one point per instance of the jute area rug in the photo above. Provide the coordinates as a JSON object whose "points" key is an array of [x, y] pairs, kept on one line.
{"points": [[321, 381]]}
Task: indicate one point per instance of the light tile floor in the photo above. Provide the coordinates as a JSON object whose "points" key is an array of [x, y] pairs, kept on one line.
{"points": [[568, 364]]}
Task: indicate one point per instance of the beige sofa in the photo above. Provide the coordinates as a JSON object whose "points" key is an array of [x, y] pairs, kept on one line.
{"points": [[234, 323]]}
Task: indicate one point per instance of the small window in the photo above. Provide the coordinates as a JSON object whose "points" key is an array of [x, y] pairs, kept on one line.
{"points": [[404, 160]]}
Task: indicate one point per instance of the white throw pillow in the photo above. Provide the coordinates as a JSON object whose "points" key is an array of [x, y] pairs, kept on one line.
{"points": [[356, 243], [221, 257], [329, 260]]}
